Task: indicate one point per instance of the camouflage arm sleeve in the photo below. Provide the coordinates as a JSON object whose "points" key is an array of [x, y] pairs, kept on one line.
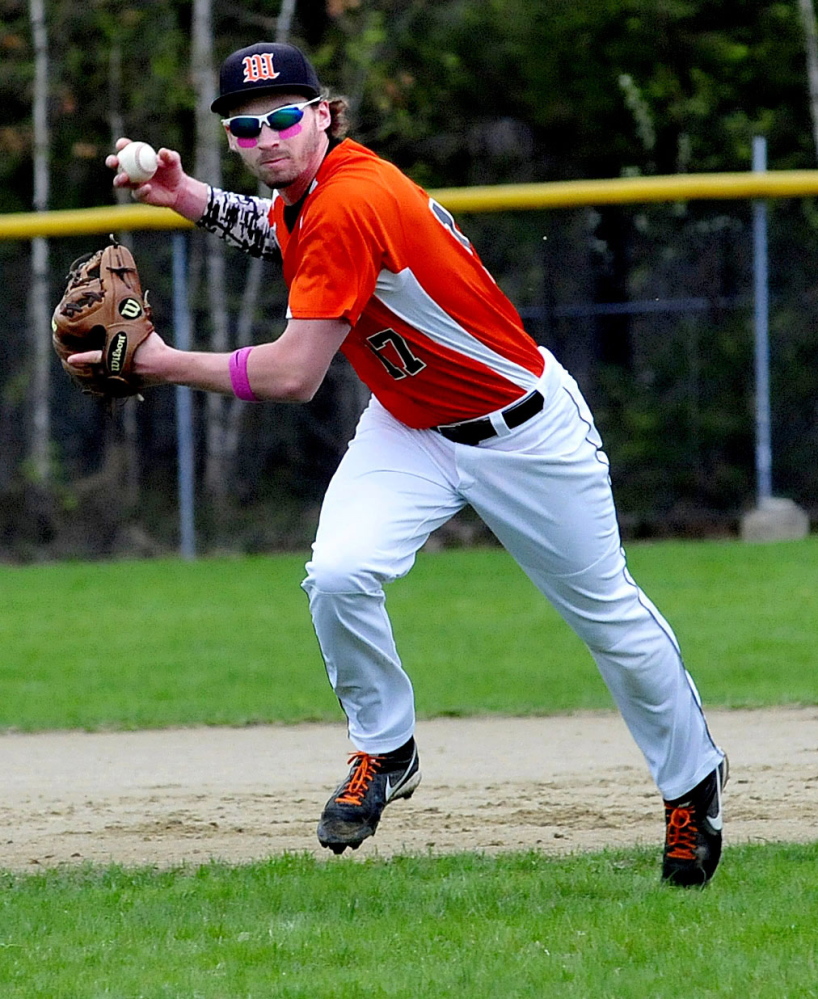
{"points": [[242, 221]]}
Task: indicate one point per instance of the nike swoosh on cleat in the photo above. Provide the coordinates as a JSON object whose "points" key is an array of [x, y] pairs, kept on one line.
{"points": [[392, 788], [716, 822]]}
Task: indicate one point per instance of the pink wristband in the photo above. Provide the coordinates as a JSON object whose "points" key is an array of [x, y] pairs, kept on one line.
{"points": [[238, 375]]}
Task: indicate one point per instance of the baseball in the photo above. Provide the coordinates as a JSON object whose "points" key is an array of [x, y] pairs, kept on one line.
{"points": [[138, 161]]}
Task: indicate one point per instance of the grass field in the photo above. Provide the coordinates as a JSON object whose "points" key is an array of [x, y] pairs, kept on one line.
{"points": [[519, 925], [228, 642]]}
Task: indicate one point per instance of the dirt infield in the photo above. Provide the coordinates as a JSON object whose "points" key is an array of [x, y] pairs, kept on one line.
{"points": [[555, 784]]}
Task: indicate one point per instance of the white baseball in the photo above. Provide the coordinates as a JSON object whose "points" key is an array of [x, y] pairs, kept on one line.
{"points": [[138, 161]]}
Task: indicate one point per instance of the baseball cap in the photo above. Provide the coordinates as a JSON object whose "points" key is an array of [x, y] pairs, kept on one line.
{"points": [[264, 68]]}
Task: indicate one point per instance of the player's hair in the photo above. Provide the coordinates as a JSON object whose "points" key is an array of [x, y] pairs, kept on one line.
{"points": [[339, 114]]}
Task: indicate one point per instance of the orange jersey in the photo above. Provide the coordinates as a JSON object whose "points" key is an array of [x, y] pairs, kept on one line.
{"points": [[431, 333]]}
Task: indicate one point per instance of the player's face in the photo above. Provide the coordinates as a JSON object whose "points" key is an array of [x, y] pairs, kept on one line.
{"points": [[289, 157]]}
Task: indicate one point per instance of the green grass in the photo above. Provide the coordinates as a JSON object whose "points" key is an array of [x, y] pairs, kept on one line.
{"points": [[229, 641], [745, 615], [157, 643], [466, 926]]}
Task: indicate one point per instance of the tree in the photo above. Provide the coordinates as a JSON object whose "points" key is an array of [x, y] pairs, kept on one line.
{"points": [[252, 288], [807, 11], [207, 167], [456, 93], [39, 298]]}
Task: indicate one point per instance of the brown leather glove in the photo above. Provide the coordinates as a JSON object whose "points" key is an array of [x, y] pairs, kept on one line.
{"points": [[103, 308]]}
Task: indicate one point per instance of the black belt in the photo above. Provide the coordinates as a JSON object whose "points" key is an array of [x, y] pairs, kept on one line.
{"points": [[481, 429]]}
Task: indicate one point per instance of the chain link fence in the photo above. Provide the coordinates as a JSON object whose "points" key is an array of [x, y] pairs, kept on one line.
{"points": [[650, 307]]}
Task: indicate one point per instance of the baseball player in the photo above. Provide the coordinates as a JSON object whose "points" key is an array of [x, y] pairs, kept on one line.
{"points": [[465, 410]]}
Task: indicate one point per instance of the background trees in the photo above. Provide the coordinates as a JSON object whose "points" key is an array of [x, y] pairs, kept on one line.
{"points": [[456, 92]]}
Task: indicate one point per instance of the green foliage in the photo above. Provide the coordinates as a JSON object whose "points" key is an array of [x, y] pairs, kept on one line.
{"points": [[458, 93], [153, 97], [469, 926], [152, 644], [471, 93], [694, 448]]}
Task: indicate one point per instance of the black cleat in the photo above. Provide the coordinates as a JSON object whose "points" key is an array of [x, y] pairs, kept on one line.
{"points": [[355, 808], [693, 826]]}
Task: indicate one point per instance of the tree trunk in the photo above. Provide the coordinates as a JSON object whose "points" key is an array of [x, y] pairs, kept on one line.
{"points": [[252, 285], [39, 295], [284, 20], [807, 10], [208, 168], [244, 337], [121, 448]]}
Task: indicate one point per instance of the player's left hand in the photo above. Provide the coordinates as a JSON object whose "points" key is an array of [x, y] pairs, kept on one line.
{"points": [[104, 311], [145, 362]]}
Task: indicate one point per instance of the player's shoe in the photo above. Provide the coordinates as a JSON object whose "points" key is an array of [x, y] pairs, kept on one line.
{"points": [[693, 826], [355, 808]]}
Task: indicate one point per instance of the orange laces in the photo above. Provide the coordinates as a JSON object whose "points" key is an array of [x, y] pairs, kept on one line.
{"points": [[358, 782], [681, 833]]}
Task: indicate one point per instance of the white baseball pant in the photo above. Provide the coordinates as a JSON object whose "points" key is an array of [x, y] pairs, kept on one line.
{"points": [[544, 490]]}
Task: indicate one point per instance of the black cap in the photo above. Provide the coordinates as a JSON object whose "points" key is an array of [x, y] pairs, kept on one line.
{"points": [[264, 68]]}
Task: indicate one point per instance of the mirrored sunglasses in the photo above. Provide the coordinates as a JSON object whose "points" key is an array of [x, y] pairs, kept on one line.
{"points": [[248, 126]]}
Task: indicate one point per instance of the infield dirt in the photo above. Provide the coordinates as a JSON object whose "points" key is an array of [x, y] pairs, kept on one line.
{"points": [[557, 784]]}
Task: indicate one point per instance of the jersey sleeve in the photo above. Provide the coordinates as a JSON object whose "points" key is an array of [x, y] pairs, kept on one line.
{"points": [[342, 247]]}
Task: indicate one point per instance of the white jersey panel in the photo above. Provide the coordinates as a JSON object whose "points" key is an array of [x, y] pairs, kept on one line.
{"points": [[403, 295]]}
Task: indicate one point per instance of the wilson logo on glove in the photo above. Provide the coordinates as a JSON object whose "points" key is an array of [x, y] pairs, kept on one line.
{"points": [[130, 309], [116, 352]]}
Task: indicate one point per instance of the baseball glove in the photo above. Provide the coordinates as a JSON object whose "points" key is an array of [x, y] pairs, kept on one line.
{"points": [[103, 308]]}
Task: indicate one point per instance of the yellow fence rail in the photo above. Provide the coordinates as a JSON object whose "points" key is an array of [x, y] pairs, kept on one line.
{"points": [[498, 198]]}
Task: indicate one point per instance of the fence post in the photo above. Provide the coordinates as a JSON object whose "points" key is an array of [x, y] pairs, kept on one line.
{"points": [[774, 518], [184, 405], [762, 332]]}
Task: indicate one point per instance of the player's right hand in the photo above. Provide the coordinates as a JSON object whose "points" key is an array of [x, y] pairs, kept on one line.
{"points": [[169, 187]]}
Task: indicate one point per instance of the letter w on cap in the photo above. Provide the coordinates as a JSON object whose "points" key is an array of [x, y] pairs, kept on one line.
{"points": [[259, 67]]}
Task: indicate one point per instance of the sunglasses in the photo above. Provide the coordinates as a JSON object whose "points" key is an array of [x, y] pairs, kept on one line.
{"points": [[248, 126]]}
